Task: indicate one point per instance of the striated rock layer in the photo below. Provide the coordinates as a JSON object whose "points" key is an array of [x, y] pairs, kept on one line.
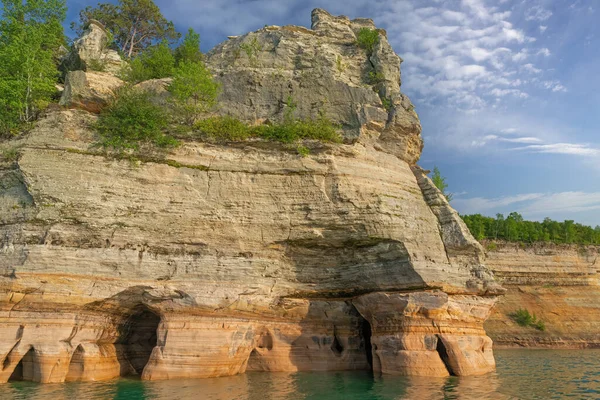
{"points": [[216, 259], [558, 283]]}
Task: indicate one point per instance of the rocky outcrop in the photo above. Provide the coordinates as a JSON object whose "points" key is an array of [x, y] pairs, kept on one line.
{"points": [[89, 91], [216, 259], [91, 52], [558, 283], [320, 71]]}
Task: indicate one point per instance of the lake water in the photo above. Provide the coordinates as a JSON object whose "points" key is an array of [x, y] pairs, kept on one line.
{"points": [[522, 374]]}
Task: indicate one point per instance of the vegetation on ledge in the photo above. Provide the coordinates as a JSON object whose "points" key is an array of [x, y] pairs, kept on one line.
{"points": [[227, 128], [524, 318]]}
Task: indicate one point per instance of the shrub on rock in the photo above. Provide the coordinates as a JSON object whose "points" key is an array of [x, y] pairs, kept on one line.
{"points": [[132, 120], [194, 90]]}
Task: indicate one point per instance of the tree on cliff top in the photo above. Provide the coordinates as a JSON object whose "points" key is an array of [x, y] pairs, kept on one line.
{"points": [[30, 35], [440, 182], [135, 24]]}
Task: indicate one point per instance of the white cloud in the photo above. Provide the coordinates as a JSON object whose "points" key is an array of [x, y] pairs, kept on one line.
{"points": [[555, 86], [533, 205], [480, 204], [563, 202], [545, 52], [531, 68], [537, 13], [562, 148], [543, 28]]}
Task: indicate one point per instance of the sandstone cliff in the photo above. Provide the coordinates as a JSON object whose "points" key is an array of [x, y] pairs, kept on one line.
{"points": [[216, 259], [559, 283]]}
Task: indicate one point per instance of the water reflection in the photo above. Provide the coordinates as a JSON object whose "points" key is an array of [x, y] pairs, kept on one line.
{"points": [[524, 374]]}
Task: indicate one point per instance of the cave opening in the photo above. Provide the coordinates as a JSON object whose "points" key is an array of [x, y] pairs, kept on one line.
{"points": [[24, 369], [75, 365], [441, 349], [140, 337], [366, 334], [336, 346]]}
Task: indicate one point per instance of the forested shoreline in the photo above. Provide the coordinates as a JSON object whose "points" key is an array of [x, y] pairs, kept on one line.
{"points": [[514, 228]]}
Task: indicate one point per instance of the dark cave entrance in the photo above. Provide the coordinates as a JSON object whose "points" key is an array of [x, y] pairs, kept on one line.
{"points": [[441, 349], [24, 369], [139, 337], [366, 334]]}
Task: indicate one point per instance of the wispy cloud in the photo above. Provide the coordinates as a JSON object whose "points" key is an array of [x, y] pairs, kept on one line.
{"points": [[480, 204], [561, 205], [537, 13], [562, 148]]}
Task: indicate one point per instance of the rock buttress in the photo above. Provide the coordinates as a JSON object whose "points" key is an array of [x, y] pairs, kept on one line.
{"points": [[215, 259]]}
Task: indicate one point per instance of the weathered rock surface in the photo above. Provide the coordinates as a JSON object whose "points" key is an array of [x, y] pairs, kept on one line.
{"points": [[91, 52], [89, 91], [216, 259], [319, 71], [559, 283]]}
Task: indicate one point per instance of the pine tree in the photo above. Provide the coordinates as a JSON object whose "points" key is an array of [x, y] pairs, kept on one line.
{"points": [[135, 24]]}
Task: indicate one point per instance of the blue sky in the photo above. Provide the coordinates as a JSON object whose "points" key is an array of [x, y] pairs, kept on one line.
{"points": [[508, 91]]}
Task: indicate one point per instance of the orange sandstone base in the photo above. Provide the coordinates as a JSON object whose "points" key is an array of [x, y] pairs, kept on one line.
{"points": [[423, 334]]}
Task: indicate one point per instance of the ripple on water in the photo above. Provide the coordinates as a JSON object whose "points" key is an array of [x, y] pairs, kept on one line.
{"points": [[523, 374]]}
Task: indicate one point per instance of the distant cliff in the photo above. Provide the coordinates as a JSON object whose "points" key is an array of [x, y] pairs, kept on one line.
{"points": [[558, 283]]}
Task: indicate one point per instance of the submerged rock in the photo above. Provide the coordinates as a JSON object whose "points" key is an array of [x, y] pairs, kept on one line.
{"points": [[217, 259]]}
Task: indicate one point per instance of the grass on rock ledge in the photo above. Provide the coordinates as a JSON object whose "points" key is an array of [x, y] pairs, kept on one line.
{"points": [[524, 318], [227, 128]]}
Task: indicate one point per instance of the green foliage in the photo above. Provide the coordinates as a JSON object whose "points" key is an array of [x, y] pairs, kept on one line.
{"points": [[30, 35], [96, 65], [440, 182], [9, 154], [303, 150], [387, 104], [189, 50], [194, 90], [252, 48], [515, 229], [154, 63], [523, 318], [135, 24], [230, 129], [491, 246], [290, 109], [224, 128], [367, 39], [375, 77], [133, 120], [293, 130]]}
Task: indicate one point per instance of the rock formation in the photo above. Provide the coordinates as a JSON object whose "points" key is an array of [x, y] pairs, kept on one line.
{"points": [[558, 283], [218, 259], [92, 52]]}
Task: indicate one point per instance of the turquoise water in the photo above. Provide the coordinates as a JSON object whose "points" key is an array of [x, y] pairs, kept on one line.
{"points": [[522, 374]]}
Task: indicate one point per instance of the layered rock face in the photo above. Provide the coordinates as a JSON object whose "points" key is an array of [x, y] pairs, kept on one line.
{"points": [[217, 259], [558, 283]]}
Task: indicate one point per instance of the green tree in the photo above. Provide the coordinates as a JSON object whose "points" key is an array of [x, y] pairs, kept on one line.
{"points": [[440, 182], [135, 24], [515, 228], [194, 90], [189, 49], [154, 63], [30, 35]]}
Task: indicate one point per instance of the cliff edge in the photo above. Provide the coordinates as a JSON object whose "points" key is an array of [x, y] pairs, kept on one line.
{"points": [[559, 283], [222, 258]]}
